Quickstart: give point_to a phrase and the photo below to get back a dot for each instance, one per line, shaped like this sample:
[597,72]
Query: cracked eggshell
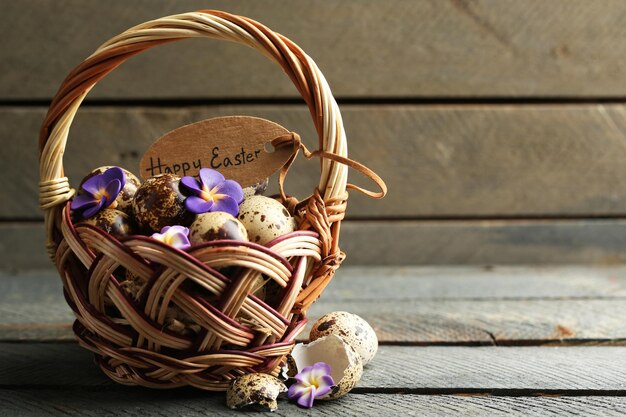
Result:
[255,389]
[345,364]
[216,225]
[265,219]
[125,197]
[351,328]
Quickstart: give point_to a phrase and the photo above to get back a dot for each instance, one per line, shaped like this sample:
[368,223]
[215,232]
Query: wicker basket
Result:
[128,336]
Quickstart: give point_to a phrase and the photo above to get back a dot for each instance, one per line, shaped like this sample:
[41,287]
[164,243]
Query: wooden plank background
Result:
[504,341]
[498,125]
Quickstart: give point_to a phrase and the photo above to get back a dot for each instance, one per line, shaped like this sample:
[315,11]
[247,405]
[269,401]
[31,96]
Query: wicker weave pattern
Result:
[239,332]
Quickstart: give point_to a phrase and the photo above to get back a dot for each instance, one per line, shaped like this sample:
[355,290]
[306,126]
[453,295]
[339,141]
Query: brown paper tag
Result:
[233,145]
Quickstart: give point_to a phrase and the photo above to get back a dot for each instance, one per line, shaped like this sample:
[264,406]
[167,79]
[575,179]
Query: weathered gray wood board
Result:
[47,403]
[363,283]
[395,368]
[526,242]
[51,379]
[453,161]
[470,283]
[500,322]
[400,48]
[485,242]
[418,310]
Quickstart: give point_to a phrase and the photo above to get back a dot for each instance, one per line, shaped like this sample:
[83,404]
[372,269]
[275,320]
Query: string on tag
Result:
[294,140]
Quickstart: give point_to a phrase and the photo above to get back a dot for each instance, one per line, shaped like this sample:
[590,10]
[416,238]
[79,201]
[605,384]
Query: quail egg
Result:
[255,389]
[352,329]
[125,197]
[159,203]
[216,225]
[265,219]
[345,364]
[112,221]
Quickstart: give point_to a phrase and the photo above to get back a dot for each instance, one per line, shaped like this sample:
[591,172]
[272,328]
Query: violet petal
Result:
[179,240]
[112,190]
[231,188]
[93,210]
[176,229]
[82,201]
[325,385]
[114,173]
[319,369]
[197,205]
[227,204]
[175,236]
[210,178]
[297,390]
[306,400]
[191,184]
[94,184]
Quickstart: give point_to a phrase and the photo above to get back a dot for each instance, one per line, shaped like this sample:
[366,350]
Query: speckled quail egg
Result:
[112,221]
[256,189]
[159,203]
[255,389]
[351,328]
[345,364]
[265,219]
[125,197]
[216,225]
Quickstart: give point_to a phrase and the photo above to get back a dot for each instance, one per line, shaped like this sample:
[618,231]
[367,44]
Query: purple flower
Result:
[312,382]
[212,193]
[100,191]
[176,236]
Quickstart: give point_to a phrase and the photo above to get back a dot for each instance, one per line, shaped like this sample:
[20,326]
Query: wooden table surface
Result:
[454,341]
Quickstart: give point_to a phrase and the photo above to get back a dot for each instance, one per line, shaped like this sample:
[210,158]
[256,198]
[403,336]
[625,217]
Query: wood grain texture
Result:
[395,368]
[438,161]
[366,49]
[395,243]
[485,242]
[417,310]
[357,283]
[487,322]
[135,402]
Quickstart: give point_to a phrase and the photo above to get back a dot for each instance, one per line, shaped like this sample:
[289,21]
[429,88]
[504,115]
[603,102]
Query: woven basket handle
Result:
[54,186]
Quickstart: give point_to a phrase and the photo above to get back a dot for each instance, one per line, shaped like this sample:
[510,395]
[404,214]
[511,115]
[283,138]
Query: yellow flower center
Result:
[101,193]
[210,195]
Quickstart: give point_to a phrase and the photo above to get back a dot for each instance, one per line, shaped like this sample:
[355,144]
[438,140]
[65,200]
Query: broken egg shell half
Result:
[345,364]
[351,328]
[216,225]
[265,219]
[255,389]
